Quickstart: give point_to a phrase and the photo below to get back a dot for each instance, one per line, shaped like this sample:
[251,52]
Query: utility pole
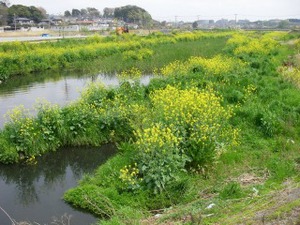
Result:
[176,21]
[235,19]
[63,28]
[15,21]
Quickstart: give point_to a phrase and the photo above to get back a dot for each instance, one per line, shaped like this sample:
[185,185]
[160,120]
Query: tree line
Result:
[129,13]
[9,13]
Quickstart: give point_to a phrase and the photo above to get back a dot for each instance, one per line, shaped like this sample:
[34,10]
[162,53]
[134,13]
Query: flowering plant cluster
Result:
[188,130]
[21,58]
[242,44]
[216,66]
[129,175]
[159,156]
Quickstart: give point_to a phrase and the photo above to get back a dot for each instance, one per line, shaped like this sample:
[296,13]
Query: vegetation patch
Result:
[209,140]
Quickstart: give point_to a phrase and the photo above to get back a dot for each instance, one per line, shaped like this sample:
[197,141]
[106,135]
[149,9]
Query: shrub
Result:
[50,123]
[23,132]
[159,157]
[199,120]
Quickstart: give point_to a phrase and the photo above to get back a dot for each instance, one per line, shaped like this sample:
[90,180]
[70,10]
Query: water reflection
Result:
[33,192]
[57,88]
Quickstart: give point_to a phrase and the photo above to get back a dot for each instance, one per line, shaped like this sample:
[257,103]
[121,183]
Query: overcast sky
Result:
[186,10]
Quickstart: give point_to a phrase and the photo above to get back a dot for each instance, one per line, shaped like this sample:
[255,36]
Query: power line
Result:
[224,16]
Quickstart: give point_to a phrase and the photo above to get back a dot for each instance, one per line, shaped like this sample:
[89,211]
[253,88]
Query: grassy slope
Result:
[163,54]
[93,53]
[245,186]
[256,184]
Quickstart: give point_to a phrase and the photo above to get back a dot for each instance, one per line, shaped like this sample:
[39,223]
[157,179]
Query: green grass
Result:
[163,55]
[100,53]
[231,188]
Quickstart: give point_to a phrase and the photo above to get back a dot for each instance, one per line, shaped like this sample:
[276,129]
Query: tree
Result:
[76,13]
[133,14]
[43,11]
[195,25]
[18,11]
[283,24]
[31,12]
[67,13]
[84,12]
[93,12]
[108,12]
[163,23]
[3,13]
[36,14]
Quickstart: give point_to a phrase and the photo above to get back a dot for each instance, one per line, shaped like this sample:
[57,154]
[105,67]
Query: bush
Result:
[159,156]
[23,133]
[50,123]
[199,120]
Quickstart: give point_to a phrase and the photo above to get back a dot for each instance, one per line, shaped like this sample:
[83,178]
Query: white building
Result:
[66,28]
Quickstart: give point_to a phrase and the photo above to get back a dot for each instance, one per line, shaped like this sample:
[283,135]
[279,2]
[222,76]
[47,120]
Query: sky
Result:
[183,10]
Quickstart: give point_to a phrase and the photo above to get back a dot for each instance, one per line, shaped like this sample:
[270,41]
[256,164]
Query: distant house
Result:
[57,21]
[24,21]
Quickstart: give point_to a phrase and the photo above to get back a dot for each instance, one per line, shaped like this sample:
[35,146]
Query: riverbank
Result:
[234,174]
[209,134]
[19,59]
[29,136]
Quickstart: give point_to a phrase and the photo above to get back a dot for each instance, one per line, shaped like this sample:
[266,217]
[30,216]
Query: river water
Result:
[57,88]
[34,192]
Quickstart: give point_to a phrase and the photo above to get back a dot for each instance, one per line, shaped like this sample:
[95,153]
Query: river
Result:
[57,88]
[34,192]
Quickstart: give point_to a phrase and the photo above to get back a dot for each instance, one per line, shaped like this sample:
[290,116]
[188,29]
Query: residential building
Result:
[23,21]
